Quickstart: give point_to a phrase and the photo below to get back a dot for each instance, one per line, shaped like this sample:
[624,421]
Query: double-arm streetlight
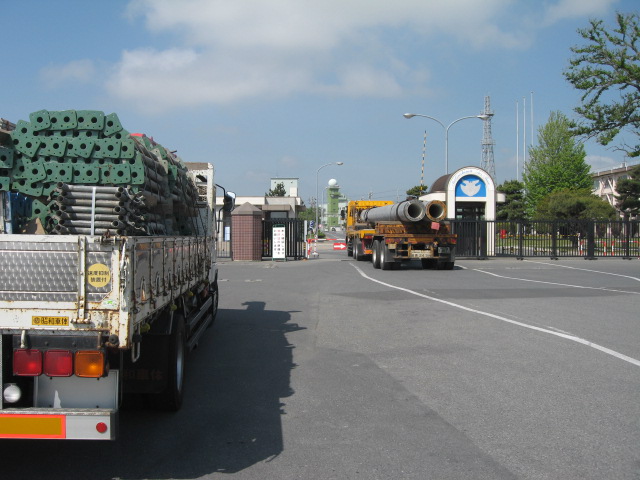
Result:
[484,116]
[318,173]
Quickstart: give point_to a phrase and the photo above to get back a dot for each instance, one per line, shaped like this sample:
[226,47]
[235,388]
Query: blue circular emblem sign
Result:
[471,186]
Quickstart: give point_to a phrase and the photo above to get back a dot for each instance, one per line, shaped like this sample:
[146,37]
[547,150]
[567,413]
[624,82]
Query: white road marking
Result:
[554,283]
[572,338]
[585,270]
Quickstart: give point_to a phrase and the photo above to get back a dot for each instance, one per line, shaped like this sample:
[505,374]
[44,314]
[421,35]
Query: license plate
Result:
[421,254]
[442,250]
[45,321]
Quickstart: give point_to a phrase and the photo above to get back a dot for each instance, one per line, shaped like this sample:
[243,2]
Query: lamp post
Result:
[484,116]
[317,174]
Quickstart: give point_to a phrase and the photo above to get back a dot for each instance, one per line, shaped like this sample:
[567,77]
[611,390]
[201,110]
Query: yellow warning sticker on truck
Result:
[98,275]
[46,321]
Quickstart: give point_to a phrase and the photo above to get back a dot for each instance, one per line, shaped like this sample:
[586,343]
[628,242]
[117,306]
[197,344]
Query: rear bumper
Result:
[59,424]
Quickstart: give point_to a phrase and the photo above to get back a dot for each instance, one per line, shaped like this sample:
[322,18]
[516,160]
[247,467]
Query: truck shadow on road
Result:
[231,417]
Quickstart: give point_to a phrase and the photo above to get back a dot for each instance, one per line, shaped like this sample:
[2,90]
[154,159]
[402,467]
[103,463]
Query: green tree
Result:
[417,191]
[628,197]
[607,69]
[513,207]
[308,214]
[556,163]
[278,191]
[574,204]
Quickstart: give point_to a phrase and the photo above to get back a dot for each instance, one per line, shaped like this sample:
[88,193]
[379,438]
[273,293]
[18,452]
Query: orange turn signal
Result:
[89,363]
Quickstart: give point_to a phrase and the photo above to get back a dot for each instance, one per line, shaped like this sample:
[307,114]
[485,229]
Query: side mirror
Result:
[229,201]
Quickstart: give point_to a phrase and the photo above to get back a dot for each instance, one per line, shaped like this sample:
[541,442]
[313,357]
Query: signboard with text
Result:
[279,242]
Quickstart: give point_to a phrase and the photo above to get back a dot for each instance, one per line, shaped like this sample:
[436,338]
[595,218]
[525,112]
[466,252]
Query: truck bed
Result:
[86,285]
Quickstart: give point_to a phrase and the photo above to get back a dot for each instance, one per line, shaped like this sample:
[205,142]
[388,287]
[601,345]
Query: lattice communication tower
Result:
[487,163]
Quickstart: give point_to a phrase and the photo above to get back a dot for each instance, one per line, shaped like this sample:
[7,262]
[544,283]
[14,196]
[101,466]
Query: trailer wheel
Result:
[375,256]
[357,250]
[170,399]
[386,261]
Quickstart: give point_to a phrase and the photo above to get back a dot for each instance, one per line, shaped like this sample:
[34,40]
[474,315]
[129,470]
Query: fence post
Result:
[627,238]
[591,241]
[554,241]
[520,240]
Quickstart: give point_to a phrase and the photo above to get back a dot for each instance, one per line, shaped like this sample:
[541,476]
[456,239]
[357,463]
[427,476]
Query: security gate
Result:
[294,237]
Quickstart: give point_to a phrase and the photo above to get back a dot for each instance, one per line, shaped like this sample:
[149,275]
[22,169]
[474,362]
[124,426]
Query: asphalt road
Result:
[329,369]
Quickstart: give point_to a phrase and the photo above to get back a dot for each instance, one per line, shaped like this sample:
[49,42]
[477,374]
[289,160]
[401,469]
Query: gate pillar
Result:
[246,224]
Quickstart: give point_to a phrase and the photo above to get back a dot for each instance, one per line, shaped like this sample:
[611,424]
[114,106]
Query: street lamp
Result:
[484,116]
[317,174]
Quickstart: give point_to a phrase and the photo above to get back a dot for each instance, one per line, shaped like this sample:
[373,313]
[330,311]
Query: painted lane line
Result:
[554,283]
[585,270]
[566,336]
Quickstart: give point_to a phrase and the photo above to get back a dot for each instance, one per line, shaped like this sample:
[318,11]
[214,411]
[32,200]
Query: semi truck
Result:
[105,285]
[390,233]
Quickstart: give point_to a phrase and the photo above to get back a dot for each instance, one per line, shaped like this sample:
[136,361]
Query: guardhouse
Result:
[470,194]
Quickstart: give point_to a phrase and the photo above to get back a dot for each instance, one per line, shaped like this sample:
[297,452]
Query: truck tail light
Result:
[89,363]
[27,362]
[58,363]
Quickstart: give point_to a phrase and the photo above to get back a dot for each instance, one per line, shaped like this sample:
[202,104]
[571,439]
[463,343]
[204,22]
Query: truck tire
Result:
[349,248]
[170,399]
[375,256]
[357,250]
[386,261]
[214,304]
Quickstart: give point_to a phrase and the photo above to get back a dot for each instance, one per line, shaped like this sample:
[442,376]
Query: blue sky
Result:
[279,88]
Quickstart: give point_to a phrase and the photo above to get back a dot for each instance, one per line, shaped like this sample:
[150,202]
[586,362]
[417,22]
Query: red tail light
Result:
[27,362]
[58,363]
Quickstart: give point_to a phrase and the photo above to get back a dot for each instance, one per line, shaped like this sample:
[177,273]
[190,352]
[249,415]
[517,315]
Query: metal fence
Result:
[295,245]
[223,227]
[547,238]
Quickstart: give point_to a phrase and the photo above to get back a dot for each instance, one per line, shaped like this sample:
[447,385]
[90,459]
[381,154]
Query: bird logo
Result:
[470,187]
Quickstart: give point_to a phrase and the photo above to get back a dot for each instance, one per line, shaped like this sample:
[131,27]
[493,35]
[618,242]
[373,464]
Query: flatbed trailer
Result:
[416,232]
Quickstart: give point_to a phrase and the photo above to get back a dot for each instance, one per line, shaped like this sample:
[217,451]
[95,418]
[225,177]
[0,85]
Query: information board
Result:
[279,242]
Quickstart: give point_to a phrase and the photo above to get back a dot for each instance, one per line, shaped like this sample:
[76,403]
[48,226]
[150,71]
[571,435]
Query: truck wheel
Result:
[214,303]
[386,262]
[357,250]
[375,256]
[448,265]
[170,399]
[349,248]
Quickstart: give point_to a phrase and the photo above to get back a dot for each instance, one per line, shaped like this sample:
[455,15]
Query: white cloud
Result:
[565,9]
[81,71]
[598,162]
[233,50]
[289,162]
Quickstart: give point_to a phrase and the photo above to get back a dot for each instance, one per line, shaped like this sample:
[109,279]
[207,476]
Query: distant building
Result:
[605,182]
[290,185]
[272,207]
[336,201]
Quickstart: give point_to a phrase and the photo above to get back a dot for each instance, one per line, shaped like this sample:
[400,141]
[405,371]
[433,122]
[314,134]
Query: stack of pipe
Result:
[83,170]
[407,211]
[88,210]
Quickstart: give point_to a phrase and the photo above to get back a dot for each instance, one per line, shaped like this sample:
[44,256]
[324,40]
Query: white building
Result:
[606,181]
